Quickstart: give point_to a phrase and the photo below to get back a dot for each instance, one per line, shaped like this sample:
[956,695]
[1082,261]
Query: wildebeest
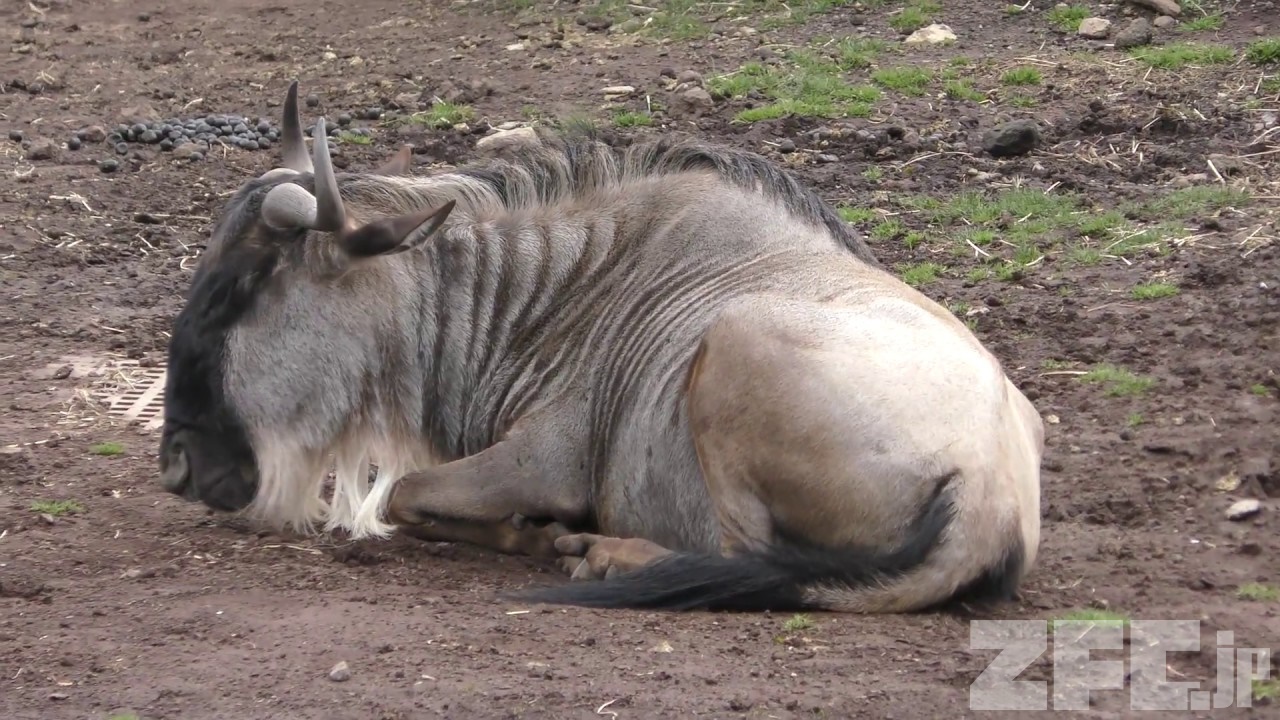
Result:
[670,365]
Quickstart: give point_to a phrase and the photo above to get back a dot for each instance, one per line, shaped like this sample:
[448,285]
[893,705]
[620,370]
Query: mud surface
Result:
[133,604]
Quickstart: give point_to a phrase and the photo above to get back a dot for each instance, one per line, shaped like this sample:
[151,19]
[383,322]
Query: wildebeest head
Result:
[275,326]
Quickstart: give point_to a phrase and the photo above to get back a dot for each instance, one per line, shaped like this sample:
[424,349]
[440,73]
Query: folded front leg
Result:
[504,536]
[536,472]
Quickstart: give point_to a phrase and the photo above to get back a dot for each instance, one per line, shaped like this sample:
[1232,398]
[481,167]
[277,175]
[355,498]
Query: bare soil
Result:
[132,603]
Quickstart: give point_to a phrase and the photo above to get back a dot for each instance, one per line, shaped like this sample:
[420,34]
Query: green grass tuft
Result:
[1153,291]
[1258,592]
[1090,616]
[1202,23]
[628,118]
[1264,52]
[812,86]
[1068,19]
[914,16]
[857,214]
[107,449]
[1021,76]
[57,508]
[444,115]
[1176,56]
[906,80]
[919,274]
[960,90]
[1118,381]
[798,622]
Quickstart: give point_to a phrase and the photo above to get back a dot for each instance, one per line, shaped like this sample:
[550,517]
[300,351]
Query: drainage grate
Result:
[143,400]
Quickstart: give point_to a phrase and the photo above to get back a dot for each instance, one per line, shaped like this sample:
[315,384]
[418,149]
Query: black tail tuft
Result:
[771,579]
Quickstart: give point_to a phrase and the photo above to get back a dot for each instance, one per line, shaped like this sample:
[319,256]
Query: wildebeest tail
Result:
[779,577]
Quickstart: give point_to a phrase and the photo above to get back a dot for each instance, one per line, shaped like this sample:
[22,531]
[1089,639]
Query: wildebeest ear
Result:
[397,164]
[395,235]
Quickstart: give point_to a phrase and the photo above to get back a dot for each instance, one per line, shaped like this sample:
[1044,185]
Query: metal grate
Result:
[142,401]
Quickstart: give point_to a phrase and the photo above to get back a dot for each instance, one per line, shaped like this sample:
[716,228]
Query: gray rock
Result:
[1017,137]
[340,672]
[92,134]
[693,77]
[42,149]
[1094,28]
[692,102]
[1244,509]
[1164,7]
[504,139]
[1138,33]
[1164,21]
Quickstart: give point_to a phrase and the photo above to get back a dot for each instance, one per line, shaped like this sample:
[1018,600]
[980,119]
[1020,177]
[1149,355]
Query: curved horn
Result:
[289,206]
[331,216]
[293,147]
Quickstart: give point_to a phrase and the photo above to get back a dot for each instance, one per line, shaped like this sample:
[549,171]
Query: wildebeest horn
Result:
[294,150]
[291,206]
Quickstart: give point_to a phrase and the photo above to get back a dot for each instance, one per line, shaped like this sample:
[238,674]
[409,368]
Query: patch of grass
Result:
[1023,101]
[1258,592]
[1202,23]
[856,214]
[797,623]
[1260,390]
[1153,291]
[1068,19]
[1134,420]
[1118,381]
[627,118]
[1090,616]
[677,20]
[919,274]
[1263,52]
[1194,201]
[1176,56]
[57,508]
[914,16]
[906,80]
[1266,689]
[107,449]
[858,53]
[960,90]
[873,173]
[444,115]
[1021,76]
[1271,85]
[811,87]
[888,229]
[354,138]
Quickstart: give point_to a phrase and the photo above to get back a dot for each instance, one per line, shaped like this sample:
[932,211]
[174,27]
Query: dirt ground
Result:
[1162,285]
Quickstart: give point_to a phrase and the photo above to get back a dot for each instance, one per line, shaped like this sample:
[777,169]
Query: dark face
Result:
[205,453]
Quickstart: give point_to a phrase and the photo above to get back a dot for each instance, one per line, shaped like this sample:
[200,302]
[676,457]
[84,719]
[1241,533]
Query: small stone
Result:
[787,146]
[934,34]
[827,158]
[42,149]
[92,134]
[1259,29]
[1164,21]
[340,672]
[16,135]
[58,696]
[504,139]
[693,101]
[1138,33]
[692,77]
[313,100]
[73,143]
[1164,7]
[618,90]
[1018,137]
[1244,509]
[109,165]
[1094,28]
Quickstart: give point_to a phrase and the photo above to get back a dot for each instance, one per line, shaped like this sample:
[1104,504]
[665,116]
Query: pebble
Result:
[15,135]
[73,143]
[92,134]
[41,149]
[1136,34]
[1164,21]
[109,165]
[1094,28]
[58,696]
[1244,509]
[618,90]
[507,138]
[827,158]
[340,672]
[931,34]
[787,146]
[1018,137]
[693,101]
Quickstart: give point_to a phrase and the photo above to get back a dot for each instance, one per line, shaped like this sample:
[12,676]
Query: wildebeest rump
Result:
[670,365]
